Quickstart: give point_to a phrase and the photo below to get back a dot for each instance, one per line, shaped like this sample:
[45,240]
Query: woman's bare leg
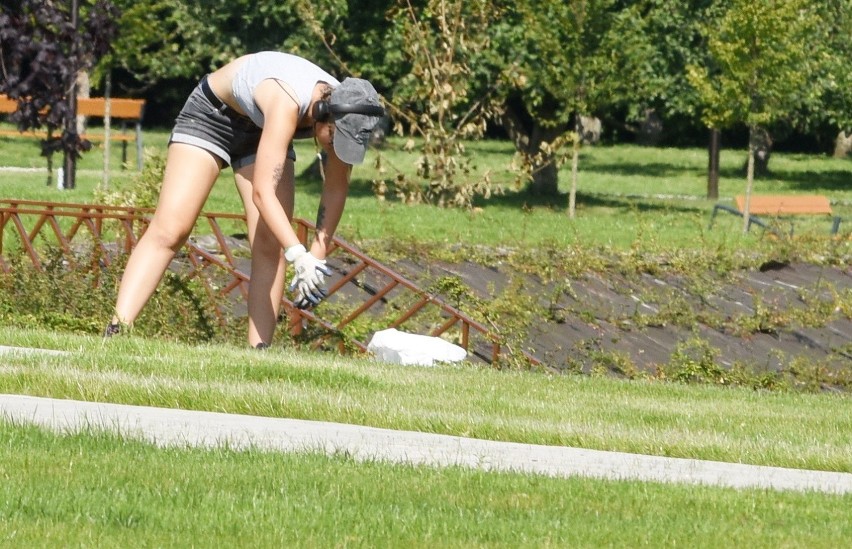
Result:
[190,174]
[267,257]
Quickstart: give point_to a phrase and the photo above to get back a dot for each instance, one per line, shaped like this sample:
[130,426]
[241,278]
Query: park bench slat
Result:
[122,109]
[785,204]
[779,205]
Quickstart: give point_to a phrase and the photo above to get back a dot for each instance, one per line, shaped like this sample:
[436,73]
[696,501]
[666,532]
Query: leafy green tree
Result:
[576,57]
[673,29]
[834,72]
[547,42]
[173,40]
[353,38]
[759,68]
[167,39]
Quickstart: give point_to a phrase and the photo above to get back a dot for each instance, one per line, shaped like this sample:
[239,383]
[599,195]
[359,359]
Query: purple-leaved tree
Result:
[44,44]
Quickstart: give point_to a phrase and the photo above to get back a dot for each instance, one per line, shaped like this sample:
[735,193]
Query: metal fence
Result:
[363,294]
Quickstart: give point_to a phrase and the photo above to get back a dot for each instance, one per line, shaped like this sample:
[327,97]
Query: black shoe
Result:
[112,329]
[262,346]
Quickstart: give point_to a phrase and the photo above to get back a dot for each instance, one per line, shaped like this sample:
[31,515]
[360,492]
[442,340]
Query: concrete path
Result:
[170,427]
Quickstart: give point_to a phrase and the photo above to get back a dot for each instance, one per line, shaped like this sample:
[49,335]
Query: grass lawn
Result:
[628,197]
[91,488]
[705,422]
[95,489]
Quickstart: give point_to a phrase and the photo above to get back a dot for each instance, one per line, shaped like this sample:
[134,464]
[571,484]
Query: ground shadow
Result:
[832,180]
[654,169]
[559,203]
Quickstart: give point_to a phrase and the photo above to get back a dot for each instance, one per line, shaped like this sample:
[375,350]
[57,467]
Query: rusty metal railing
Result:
[380,295]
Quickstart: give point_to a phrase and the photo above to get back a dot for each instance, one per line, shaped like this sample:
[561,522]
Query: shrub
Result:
[81,300]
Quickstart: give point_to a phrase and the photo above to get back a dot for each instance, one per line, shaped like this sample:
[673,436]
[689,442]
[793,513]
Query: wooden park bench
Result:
[124,110]
[779,206]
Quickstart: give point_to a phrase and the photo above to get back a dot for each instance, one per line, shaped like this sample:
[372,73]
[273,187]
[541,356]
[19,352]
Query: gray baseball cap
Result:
[352,130]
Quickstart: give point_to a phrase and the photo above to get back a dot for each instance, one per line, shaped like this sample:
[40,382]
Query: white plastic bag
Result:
[397,347]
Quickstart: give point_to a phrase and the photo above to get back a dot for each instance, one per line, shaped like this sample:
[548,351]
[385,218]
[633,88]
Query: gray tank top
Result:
[300,74]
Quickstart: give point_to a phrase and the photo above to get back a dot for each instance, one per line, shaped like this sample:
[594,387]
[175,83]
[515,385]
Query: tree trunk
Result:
[314,171]
[713,165]
[107,128]
[528,137]
[761,146]
[572,195]
[752,145]
[49,161]
[84,89]
[590,129]
[70,181]
[545,179]
[544,171]
[575,162]
[651,129]
[842,145]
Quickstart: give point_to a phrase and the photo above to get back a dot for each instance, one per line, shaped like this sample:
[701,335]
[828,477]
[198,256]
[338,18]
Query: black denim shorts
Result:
[230,136]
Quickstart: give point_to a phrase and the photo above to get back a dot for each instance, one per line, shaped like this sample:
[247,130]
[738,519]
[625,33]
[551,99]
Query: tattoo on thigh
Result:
[320,217]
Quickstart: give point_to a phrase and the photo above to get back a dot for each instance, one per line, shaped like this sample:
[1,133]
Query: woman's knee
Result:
[166,235]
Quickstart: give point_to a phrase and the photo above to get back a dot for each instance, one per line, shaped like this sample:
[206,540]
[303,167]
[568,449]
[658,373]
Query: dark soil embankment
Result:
[770,318]
[686,318]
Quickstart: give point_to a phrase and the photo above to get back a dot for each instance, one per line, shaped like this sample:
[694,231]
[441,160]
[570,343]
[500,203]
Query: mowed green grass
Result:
[90,488]
[95,489]
[628,196]
[796,430]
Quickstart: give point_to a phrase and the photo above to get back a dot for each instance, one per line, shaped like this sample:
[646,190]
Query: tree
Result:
[834,73]
[43,46]
[168,39]
[759,68]
[673,30]
[440,42]
[426,57]
[576,57]
[547,42]
[350,37]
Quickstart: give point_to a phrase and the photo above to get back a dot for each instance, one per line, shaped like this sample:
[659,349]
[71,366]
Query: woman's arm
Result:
[281,117]
[333,200]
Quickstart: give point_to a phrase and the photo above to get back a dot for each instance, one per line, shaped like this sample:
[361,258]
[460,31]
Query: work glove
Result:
[309,278]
